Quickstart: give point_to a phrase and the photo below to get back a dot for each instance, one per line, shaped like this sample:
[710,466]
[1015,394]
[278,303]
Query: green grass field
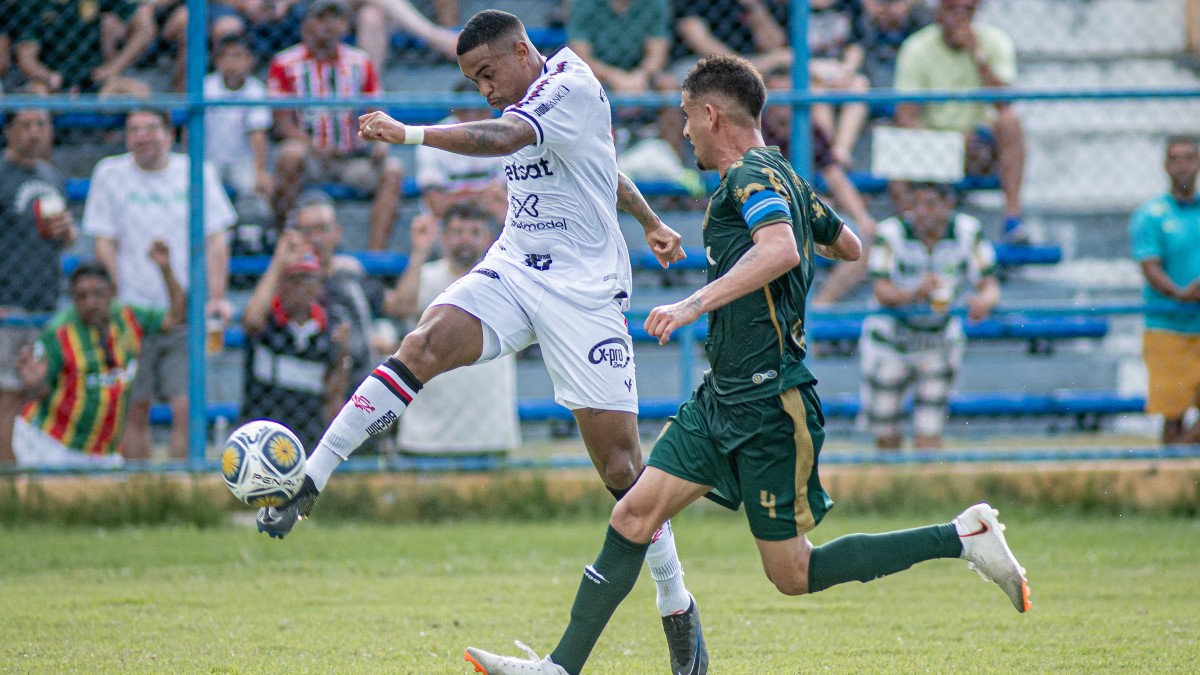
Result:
[1110,593]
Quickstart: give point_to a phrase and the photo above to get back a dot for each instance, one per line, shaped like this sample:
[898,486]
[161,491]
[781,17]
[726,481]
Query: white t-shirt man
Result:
[135,207]
[562,190]
[227,130]
[465,410]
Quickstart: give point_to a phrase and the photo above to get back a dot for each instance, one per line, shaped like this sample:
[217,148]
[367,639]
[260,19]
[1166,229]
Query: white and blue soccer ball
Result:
[263,463]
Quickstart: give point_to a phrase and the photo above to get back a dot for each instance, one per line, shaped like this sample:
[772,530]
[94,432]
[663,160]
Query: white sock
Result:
[667,572]
[376,405]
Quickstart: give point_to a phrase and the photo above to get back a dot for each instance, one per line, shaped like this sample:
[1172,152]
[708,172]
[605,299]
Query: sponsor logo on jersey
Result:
[759,378]
[362,403]
[530,171]
[614,351]
[382,423]
[538,225]
[539,261]
[491,274]
[529,205]
[548,105]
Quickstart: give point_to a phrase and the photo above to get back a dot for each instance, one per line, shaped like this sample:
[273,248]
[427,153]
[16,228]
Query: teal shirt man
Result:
[1169,230]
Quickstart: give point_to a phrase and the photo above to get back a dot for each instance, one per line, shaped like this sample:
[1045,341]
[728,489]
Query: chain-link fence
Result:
[291,334]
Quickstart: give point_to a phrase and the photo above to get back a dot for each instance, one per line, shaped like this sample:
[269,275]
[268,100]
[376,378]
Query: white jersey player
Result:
[559,275]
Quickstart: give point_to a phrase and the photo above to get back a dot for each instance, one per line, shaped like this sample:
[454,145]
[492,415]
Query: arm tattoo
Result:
[631,201]
[485,138]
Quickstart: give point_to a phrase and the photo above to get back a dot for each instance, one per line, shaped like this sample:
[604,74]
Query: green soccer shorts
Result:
[760,453]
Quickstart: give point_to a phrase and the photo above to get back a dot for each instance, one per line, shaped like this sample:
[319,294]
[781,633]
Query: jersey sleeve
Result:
[218,210]
[558,107]
[982,260]
[151,320]
[1144,228]
[99,210]
[881,259]
[826,223]
[278,82]
[760,195]
[48,349]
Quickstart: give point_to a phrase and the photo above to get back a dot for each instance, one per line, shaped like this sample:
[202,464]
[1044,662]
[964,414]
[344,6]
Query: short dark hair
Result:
[730,76]
[162,115]
[91,268]
[487,27]
[465,210]
[944,190]
[1183,139]
[235,39]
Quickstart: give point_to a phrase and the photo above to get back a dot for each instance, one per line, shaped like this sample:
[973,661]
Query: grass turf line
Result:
[1109,593]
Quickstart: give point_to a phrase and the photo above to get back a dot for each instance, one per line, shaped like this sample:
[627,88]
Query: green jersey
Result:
[89,375]
[756,343]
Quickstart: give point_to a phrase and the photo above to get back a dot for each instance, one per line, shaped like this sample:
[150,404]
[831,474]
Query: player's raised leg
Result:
[651,502]
[447,337]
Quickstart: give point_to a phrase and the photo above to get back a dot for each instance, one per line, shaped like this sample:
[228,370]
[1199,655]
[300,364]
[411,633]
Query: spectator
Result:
[955,54]
[626,44]
[883,26]
[170,25]
[835,64]
[78,376]
[236,138]
[754,29]
[319,144]
[376,19]
[487,390]
[777,130]
[1166,243]
[349,295]
[922,265]
[296,363]
[71,47]
[270,25]
[446,179]
[34,228]
[134,199]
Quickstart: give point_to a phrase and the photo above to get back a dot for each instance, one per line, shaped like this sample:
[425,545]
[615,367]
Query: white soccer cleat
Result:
[494,664]
[988,555]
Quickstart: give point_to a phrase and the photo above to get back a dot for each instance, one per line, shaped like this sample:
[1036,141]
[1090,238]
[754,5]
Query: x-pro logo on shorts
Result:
[528,206]
[362,403]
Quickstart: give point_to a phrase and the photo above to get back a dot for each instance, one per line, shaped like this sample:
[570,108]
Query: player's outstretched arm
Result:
[666,243]
[485,138]
[774,253]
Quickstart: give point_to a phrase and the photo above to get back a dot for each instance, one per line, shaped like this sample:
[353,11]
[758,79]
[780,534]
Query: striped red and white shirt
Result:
[296,72]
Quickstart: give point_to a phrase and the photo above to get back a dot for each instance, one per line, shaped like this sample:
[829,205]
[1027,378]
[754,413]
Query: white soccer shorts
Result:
[588,351]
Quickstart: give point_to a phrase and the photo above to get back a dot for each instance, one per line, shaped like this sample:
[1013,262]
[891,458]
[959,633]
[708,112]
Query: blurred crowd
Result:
[82,387]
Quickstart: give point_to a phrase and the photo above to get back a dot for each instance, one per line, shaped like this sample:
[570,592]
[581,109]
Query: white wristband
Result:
[414,135]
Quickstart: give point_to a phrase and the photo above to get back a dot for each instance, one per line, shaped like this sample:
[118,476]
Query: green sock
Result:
[865,557]
[605,584]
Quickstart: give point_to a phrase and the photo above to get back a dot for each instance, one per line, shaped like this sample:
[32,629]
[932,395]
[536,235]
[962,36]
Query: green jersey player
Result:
[752,431]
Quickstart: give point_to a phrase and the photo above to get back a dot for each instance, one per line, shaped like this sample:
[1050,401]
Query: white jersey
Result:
[562,190]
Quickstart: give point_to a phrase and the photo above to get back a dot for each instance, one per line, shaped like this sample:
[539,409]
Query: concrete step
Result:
[1089,28]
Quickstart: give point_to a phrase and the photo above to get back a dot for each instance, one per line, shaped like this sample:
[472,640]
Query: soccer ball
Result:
[263,463]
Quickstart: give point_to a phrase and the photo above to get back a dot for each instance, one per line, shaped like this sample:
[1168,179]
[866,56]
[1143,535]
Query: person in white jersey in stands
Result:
[436,423]
[559,275]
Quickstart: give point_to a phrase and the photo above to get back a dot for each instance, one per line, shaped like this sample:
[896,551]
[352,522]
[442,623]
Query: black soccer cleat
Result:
[685,640]
[277,521]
